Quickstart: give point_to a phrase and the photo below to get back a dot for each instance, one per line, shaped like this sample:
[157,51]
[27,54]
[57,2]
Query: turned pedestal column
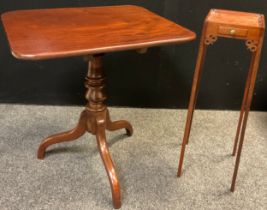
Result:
[94,119]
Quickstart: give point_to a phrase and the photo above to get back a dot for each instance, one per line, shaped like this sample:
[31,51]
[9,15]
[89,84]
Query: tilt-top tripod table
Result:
[91,32]
[249,27]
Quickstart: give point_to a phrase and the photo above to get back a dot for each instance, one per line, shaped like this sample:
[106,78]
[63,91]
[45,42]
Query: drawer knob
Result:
[232,31]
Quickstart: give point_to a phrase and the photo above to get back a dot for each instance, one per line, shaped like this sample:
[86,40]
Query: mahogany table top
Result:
[52,33]
[228,17]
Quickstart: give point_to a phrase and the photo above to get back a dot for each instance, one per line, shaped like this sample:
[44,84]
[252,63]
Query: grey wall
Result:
[160,78]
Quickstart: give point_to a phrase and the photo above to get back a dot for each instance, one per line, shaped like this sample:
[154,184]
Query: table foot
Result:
[108,163]
[71,135]
[120,124]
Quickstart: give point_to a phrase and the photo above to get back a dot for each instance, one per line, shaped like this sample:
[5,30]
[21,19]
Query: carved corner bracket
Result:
[210,39]
[252,45]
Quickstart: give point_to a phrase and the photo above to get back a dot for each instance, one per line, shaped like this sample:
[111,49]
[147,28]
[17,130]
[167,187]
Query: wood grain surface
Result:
[50,33]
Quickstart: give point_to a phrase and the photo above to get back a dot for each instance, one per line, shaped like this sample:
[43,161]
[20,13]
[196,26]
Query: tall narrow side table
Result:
[236,25]
[91,32]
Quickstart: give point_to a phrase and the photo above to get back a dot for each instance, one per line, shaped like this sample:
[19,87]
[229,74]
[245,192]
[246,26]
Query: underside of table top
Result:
[52,33]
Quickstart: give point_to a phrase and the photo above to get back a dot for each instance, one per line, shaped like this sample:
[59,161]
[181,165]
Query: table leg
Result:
[94,119]
[108,163]
[71,135]
[192,102]
[119,124]
[243,106]
[254,69]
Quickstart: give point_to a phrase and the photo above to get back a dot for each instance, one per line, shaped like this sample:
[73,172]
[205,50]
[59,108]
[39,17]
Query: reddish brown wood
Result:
[193,98]
[243,107]
[108,163]
[119,124]
[255,64]
[50,33]
[237,25]
[94,119]
[223,21]
[71,135]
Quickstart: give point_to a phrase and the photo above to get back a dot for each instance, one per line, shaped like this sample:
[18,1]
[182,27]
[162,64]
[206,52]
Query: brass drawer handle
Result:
[232,31]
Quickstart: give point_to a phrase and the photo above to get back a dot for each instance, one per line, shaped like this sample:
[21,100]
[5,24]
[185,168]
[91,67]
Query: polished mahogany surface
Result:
[241,19]
[50,33]
[248,27]
[235,24]
[53,33]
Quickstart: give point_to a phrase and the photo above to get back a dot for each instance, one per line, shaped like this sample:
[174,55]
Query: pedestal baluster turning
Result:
[95,119]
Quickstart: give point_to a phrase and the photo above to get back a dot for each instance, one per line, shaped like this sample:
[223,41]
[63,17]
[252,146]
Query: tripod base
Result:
[95,123]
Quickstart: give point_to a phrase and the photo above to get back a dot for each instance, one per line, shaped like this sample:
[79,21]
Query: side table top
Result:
[228,17]
[52,33]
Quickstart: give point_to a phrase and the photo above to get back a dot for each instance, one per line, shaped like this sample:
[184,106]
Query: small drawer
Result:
[231,31]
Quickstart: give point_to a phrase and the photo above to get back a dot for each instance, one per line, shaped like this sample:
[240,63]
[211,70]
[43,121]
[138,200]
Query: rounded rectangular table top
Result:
[53,33]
